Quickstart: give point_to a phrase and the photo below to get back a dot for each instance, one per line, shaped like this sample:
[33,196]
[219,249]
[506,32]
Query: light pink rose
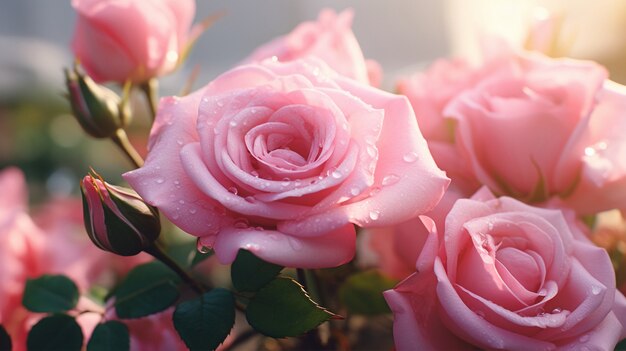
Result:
[540,127]
[505,275]
[431,90]
[330,39]
[282,158]
[131,39]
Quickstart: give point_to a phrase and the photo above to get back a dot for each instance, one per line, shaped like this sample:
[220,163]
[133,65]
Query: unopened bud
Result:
[116,218]
[96,107]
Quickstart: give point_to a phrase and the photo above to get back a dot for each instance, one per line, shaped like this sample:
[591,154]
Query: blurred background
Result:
[38,134]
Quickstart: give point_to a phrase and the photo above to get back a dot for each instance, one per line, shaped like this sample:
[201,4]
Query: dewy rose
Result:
[116,218]
[330,39]
[132,39]
[535,127]
[282,159]
[504,275]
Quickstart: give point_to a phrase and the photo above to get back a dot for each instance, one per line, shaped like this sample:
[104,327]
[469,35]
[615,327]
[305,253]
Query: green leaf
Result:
[50,294]
[203,323]
[362,293]
[110,336]
[621,346]
[5,340]
[147,289]
[56,332]
[282,308]
[250,273]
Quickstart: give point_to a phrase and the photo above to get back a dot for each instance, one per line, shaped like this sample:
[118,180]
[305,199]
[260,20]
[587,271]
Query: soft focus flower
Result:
[27,251]
[330,39]
[132,39]
[505,275]
[537,127]
[116,218]
[282,158]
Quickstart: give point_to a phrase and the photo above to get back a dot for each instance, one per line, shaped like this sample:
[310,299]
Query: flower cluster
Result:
[471,189]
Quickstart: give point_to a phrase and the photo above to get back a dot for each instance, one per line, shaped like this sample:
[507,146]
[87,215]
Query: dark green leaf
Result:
[250,273]
[5,340]
[282,308]
[50,294]
[621,346]
[147,289]
[109,336]
[56,332]
[362,293]
[203,323]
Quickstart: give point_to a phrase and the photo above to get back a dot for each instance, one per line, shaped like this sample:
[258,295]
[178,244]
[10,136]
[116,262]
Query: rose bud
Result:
[116,218]
[96,107]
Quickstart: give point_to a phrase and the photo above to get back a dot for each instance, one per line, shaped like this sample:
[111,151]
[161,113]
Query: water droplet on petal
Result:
[233,190]
[250,199]
[182,202]
[557,310]
[193,210]
[202,246]
[595,289]
[254,174]
[372,151]
[355,191]
[390,179]
[336,174]
[584,338]
[410,157]
[374,215]
[179,142]
[220,103]
[159,181]
[233,123]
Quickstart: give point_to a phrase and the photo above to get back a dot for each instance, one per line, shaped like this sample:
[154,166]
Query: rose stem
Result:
[151,89]
[121,140]
[163,257]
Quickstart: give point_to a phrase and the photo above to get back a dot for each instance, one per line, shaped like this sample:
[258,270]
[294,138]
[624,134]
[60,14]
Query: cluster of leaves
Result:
[274,304]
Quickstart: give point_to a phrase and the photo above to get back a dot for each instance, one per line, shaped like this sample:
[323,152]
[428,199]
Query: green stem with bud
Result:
[157,253]
[121,140]
[151,89]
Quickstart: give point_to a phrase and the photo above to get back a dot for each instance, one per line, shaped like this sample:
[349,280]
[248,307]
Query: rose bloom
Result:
[536,127]
[131,39]
[505,275]
[330,39]
[282,159]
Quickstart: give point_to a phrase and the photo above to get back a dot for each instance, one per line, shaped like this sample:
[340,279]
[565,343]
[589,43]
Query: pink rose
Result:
[430,91]
[505,275]
[131,39]
[540,127]
[330,39]
[282,158]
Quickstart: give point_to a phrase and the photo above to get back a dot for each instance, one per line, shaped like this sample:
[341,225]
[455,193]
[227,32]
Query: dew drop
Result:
[250,199]
[182,202]
[202,248]
[595,289]
[374,215]
[233,123]
[355,191]
[336,174]
[233,190]
[285,183]
[584,338]
[390,179]
[557,310]
[179,142]
[159,181]
[410,157]
[193,210]
[220,103]
[255,174]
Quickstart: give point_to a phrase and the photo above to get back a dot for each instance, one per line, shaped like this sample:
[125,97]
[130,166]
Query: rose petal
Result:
[330,250]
